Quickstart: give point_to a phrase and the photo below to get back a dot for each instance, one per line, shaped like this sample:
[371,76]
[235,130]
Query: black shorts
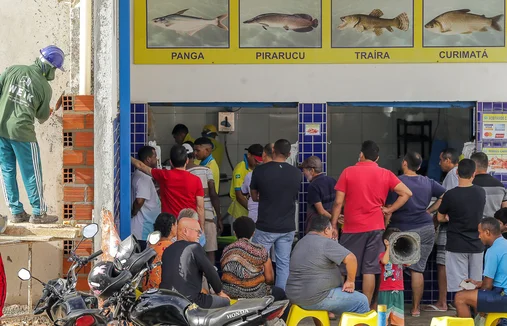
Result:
[491,301]
[367,247]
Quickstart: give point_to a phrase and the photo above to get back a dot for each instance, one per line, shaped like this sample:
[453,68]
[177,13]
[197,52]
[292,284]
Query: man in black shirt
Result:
[501,216]
[463,207]
[183,265]
[321,194]
[275,185]
[496,194]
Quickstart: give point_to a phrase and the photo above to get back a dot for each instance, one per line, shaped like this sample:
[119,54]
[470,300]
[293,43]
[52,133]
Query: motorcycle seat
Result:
[221,316]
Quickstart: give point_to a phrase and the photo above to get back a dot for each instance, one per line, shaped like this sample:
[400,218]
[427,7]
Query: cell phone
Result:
[467,285]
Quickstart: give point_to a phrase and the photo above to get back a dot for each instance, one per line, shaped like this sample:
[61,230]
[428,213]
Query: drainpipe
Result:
[85,46]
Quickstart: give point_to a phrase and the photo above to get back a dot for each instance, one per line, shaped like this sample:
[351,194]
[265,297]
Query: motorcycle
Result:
[60,300]
[163,307]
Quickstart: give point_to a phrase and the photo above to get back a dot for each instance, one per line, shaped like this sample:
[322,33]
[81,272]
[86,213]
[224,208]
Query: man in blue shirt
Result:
[490,294]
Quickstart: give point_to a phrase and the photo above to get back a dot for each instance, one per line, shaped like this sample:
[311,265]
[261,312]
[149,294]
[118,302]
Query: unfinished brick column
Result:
[78,173]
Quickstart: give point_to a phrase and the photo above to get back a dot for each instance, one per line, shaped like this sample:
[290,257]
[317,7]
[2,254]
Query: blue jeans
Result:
[339,302]
[28,157]
[283,246]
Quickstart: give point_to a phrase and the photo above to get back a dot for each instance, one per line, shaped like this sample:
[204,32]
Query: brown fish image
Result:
[462,22]
[373,22]
[301,23]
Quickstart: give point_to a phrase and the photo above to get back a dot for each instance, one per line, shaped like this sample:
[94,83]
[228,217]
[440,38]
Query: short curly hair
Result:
[244,227]
[164,223]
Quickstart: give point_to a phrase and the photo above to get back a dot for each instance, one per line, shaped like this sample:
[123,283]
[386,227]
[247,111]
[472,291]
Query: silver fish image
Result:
[189,25]
[301,23]
[462,22]
[373,22]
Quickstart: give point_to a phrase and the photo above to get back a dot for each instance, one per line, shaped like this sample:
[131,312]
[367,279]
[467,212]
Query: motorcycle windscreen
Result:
[126,248]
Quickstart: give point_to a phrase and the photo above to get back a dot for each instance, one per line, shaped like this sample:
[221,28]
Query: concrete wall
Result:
[35,24]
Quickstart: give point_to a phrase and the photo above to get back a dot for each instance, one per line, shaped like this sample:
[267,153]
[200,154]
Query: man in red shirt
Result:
[364,188]
[179,188]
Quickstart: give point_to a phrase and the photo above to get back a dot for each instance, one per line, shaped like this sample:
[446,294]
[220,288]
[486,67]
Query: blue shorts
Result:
[491,301]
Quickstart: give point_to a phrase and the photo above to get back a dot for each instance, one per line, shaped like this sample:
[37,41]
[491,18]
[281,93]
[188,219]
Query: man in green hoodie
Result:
[24,96]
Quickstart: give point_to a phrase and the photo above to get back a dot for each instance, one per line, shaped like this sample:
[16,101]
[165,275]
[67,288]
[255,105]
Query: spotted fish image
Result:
[189,25]
[374,22]
[301,23]
[462,22]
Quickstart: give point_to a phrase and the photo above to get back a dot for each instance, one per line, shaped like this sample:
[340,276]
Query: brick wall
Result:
[77,173]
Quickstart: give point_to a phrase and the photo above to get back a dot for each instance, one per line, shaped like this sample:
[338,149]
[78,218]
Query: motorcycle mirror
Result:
[24,274]
[90,230]
[154,237]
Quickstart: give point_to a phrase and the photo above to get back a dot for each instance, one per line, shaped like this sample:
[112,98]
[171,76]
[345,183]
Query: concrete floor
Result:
[424,320]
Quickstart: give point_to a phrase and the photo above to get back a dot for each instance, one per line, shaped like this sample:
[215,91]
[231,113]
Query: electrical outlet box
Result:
[226,121]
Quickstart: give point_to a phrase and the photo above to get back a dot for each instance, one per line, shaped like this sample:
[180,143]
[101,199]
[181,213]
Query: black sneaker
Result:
[22,217]
[43,219]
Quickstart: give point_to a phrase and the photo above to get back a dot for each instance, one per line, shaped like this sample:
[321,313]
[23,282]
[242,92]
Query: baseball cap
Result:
[312,162]
[209,129]
[256,150]
[188,148]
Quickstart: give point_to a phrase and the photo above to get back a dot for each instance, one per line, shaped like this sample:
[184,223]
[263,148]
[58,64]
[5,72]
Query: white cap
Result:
[188,148]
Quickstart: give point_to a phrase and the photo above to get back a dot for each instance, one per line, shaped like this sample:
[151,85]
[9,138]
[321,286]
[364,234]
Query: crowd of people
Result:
[347,234]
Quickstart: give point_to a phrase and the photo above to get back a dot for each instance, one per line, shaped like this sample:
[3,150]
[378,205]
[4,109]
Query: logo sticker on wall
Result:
[312,129]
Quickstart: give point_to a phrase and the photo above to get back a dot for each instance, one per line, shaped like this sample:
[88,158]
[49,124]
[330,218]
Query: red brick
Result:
[89,121]
[89,195]
[89,158]
[83,139]
[83,103]
[83,176]
[73,121]
[71,157]
[83,211]
[74,194]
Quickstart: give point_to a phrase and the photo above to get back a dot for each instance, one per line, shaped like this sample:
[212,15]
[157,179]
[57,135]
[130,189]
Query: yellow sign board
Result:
[318,31]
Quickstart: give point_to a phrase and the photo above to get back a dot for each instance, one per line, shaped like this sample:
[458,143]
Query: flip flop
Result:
[451,307]
[415,314]
[432,307]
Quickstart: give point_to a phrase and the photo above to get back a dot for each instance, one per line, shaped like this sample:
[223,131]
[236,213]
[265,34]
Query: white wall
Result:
[31,26]
[253,125]
[348,127]
[319,83]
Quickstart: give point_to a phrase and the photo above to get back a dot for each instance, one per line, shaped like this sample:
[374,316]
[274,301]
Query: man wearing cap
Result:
[212,216]
[239,205]
[210,131]
[25,94]
[321,193]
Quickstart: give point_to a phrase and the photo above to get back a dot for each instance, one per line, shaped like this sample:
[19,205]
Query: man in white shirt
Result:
[449,160]
[146,204]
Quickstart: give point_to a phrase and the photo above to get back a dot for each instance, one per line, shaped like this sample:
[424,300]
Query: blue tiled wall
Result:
[491,108]
[138,127]
[313,113]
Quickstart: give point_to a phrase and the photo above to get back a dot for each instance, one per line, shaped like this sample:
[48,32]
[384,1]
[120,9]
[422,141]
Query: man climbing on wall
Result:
[25,94]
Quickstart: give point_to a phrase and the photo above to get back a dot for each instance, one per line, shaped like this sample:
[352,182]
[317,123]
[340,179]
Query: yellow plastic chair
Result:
[138,293]
[296,314]
[451,321]
[350,319]
[233,301]
[492,318]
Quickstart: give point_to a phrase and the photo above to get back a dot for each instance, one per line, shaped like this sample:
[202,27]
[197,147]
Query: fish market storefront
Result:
[324,74]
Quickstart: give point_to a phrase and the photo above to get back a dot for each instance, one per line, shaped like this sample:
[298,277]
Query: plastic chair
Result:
[227,240]
[296,314]
[233,301]
[492,318]
[451,321]
[350,319]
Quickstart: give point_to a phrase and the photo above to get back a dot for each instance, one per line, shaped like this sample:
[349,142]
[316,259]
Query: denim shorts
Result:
[494,300]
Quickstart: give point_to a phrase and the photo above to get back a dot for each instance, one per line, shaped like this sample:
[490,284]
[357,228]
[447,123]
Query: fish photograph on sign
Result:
[187,24]
[464,23]
[372,24]
[280,24]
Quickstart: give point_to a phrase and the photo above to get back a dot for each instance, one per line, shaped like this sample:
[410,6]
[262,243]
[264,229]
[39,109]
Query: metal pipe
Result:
[30,303]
